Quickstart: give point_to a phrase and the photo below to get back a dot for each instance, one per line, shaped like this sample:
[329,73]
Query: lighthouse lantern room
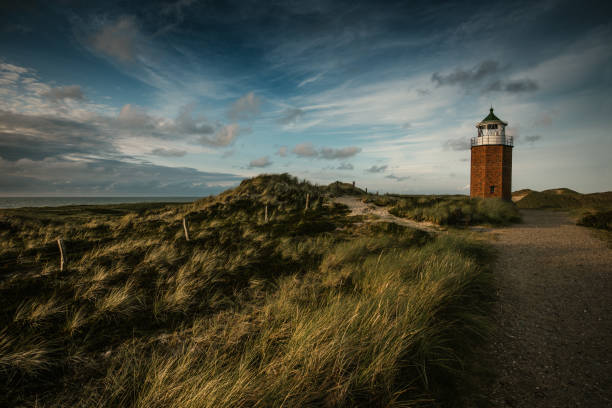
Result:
[491,163]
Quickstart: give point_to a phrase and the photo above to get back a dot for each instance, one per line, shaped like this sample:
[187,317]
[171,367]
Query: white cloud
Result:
[282,151]
[343,153]
[305,150]
[261,162]
[223,137]
[13,68]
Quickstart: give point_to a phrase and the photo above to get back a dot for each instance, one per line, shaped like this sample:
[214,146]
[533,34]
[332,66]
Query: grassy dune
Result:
[312,308]
[562,199]
[590,210]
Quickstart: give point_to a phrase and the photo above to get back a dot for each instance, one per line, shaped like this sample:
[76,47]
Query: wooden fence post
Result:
[185,228]
[266,214]
[307,201]
[63,254]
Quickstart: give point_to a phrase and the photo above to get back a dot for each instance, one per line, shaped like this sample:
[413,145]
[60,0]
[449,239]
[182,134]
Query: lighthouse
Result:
[491,164]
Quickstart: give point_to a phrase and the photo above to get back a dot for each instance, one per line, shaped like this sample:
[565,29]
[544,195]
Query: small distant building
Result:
[491,164]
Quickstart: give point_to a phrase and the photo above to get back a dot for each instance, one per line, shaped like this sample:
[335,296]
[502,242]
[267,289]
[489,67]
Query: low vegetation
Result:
[449,210]
[304,308]
[596,219]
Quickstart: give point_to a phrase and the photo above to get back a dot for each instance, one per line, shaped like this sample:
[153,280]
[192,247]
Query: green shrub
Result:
[456,210]
[598,219]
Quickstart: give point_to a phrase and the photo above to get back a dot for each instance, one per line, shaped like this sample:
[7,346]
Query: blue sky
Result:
[189,97]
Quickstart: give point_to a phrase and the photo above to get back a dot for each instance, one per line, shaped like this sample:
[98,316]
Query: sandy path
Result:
[553,345]
[381,214]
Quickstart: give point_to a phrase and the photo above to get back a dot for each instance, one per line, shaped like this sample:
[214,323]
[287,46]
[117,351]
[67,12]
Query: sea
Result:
[17,202]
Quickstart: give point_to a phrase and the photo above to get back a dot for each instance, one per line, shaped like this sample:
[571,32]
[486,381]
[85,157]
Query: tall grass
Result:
[308,309]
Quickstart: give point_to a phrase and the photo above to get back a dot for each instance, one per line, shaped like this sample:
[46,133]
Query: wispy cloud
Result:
[377,169]
[397,178]
[310,80]
[513,86]
[119,39]
[168,152]
[328,153]
[246,107]
[488,71]
[457,144]
[290,116]
[345,166]
[466,77]
[65,92]
[532,138]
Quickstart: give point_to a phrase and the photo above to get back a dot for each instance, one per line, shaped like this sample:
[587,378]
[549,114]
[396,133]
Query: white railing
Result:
[493,140]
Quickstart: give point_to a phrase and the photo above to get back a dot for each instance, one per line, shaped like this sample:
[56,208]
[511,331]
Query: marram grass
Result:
[310,309]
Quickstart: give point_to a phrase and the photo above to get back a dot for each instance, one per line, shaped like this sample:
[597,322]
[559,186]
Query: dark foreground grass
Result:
[307,309]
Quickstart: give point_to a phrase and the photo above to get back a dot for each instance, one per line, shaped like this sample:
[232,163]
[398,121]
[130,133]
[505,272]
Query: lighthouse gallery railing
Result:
[492,140]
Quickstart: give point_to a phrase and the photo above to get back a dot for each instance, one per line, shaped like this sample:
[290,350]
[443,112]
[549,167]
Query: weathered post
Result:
[353,184]
[62,249]
[366,190]
[307,201]
[266,214]
[186,228]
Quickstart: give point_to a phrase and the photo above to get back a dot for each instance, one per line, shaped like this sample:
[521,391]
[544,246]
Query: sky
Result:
[188,97]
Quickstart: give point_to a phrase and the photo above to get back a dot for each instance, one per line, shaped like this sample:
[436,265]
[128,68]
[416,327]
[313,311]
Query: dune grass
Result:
[448,209]
[311,308]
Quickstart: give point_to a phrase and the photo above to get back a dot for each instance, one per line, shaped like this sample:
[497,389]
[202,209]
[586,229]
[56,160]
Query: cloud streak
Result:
[458,144]
[65,92]
[488,70]
[112,177]
[465,77]
[327,153]
[377,169]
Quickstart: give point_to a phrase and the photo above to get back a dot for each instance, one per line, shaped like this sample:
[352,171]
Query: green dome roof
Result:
[492,118]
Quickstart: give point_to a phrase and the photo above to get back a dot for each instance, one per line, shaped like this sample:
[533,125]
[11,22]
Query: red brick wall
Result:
[491,166]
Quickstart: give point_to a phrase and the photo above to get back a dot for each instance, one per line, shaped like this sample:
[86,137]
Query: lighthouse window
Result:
[492,189]
[491,126]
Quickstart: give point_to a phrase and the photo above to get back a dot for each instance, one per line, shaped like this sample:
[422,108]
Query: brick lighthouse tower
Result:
[491,173]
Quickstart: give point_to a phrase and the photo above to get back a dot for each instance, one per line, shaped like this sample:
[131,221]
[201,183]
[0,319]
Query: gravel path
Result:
[381,214]
[553,345]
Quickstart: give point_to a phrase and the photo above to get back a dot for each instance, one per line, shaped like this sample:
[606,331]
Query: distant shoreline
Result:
[20,202]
